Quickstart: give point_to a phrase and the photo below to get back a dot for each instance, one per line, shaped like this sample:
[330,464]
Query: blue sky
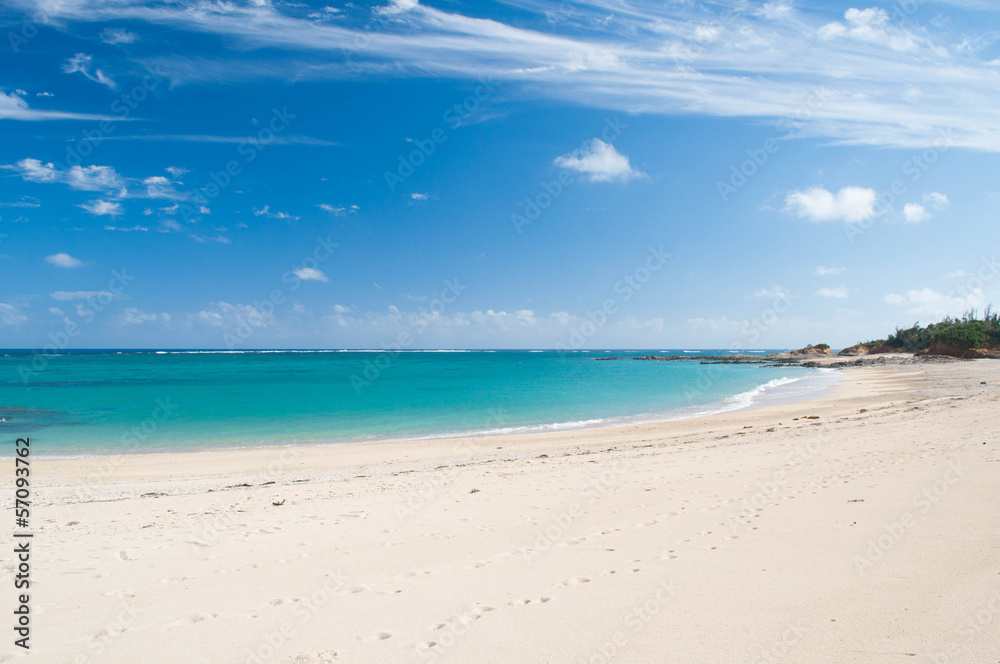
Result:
[518,174]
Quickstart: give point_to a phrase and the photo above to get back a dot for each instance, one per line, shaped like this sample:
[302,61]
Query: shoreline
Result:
[255,462]
[821,526]
[613,422]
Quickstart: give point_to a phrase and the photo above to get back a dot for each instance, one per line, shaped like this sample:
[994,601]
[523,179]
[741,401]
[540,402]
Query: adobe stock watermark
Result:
[914,169]
[560,522]
[771,490]
[406,338]
[424,148]
[966,631]
[101,641]
[922,502]
[778,649]
[210,532]
[758,157]
[248,150]
[261,311]
[625,289]
[273,641]
[132,439]
[417,498]
[550,190]
[632,624]
[122,108]
[751,329]
[28,30]
[93,305]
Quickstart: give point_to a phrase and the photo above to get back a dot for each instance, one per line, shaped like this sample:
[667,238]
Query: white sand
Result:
[742,537]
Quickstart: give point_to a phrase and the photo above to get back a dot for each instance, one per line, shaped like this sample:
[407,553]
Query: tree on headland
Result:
[951,336]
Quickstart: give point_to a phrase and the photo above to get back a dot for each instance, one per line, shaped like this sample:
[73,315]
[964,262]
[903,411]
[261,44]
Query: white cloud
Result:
[133,316]
[850,204]
[66,296]
[839,292]
[338,211]
[823,271]
[706,33]
[64,260]
[341,309]
[310,274]
[94,178]
[936,200]
[774,291]
[599,162]
[56,311]
[177,172]
[419,197]
[101,207]
[230,315]
[124,229]
[11,315]
[81,62]
[118,36]
[44,94]
[34,170]
[957,274]
[82,178]
[914,213]
[219,239]
[873,26]
[929,302]
[266,212]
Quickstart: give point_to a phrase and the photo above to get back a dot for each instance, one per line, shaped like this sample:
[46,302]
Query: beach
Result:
[859,526]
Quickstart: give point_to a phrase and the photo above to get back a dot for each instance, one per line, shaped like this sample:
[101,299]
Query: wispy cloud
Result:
[266,212]
[98,178]
[208,138]
[882,80]
[101,207]
[13,107]
[118,36]
[83,64]
[338,211]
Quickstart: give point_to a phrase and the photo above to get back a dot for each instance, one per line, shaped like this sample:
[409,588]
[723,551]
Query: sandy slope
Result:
[747,537]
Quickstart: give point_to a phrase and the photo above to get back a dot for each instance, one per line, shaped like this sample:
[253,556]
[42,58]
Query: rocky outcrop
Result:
[854,351]
[819,350]
[938,348]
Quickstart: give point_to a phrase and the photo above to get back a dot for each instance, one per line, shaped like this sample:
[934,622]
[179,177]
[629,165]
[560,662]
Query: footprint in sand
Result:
[378,636]
[575,581]
[476,565]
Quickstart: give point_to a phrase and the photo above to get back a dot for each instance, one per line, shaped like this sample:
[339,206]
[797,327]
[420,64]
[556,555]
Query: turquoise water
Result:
[107,402]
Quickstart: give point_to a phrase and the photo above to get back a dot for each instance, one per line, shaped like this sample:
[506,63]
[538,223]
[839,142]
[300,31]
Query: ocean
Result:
[115,402]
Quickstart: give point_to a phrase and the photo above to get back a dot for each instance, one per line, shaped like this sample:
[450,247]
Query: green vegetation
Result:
[822,346]
[965,333]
